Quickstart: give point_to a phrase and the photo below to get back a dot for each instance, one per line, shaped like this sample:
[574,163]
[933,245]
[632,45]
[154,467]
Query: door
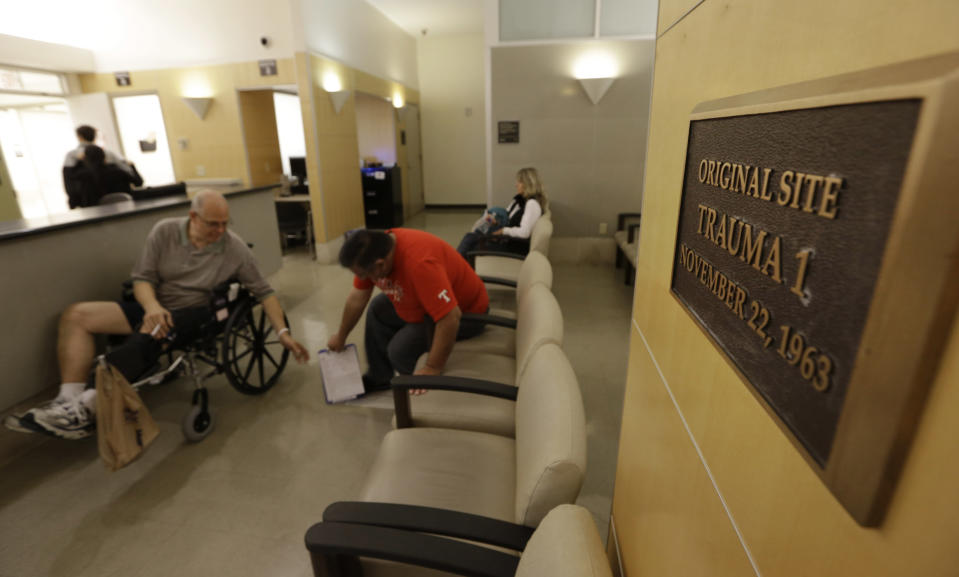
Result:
[414,157]
[143,135]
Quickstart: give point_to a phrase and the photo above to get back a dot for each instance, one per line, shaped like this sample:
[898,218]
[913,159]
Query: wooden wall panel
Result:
[789,521]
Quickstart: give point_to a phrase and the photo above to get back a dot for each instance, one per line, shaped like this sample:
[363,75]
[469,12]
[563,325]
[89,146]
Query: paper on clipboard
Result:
[342,380]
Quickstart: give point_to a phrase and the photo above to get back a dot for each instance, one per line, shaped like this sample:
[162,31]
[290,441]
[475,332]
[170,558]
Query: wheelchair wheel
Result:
[252,355]
[197,424]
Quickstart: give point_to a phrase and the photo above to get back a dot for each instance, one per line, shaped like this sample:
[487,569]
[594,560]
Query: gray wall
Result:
[589,156]
[45,272]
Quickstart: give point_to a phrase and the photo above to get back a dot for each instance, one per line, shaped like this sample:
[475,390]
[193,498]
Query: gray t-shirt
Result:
[184,276]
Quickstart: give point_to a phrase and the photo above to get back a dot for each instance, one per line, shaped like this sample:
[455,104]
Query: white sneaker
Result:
[67,420]
[25,423]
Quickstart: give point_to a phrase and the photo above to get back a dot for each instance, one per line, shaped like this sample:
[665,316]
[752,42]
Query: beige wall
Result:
[332,142]
[376,128]
[583,152]
[9,207]
[452,81]
[707,484]
[216,141]
[260,137]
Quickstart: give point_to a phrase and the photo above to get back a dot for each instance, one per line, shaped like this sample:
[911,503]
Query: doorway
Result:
[410,120]
[143,136]
[35,134]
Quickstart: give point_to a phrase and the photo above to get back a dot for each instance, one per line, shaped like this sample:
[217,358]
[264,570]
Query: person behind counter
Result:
[92,177]
[86,135]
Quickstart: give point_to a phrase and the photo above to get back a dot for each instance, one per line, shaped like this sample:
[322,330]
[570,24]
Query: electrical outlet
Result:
[603,228]
[200,170]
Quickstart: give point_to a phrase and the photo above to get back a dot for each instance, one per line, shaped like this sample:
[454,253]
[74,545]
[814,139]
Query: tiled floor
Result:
[239,502]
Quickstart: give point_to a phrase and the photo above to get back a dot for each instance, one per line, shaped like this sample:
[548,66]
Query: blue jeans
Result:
[394,344]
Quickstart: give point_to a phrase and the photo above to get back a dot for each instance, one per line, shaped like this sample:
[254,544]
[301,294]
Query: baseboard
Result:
[455,207]
[329,252]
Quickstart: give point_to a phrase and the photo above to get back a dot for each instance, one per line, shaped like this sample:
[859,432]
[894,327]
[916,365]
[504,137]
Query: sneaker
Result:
[26,423]
[70,420]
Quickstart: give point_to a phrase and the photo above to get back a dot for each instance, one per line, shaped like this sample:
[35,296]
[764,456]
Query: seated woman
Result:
[527,206]
[92,178]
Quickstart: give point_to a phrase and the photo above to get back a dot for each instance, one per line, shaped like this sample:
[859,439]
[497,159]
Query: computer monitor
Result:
[298,168]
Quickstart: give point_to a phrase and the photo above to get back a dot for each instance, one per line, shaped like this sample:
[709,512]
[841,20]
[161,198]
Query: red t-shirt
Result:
[428,278]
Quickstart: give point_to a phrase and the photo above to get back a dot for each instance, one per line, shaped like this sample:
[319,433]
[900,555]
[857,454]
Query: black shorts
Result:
[187,323]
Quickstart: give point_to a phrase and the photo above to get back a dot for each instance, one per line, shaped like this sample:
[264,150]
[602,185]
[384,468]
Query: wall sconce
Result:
[339,98]
[199,106]
[334,86]
[596,73]
[398,100]
[596,88]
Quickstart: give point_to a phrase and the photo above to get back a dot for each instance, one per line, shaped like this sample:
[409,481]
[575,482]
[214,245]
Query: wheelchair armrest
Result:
[334,546]
[498,280]
[490,320]
[431,520]
[403,383]
[513,255]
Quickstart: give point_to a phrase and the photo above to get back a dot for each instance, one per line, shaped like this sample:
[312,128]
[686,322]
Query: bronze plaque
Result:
[818,247]
[783,224]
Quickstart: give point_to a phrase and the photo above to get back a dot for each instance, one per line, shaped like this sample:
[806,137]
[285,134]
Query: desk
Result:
[290,221]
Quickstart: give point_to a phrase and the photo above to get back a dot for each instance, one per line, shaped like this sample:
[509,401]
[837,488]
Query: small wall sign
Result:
[267,67]
[508,131]
[122,78]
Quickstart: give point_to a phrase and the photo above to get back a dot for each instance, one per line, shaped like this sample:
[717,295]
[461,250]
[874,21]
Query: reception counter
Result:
[85,255]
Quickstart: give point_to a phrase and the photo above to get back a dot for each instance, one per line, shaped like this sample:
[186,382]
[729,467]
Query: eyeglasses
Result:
[214,223]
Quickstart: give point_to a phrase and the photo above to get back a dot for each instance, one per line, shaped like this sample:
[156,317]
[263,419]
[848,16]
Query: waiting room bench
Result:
[627,243]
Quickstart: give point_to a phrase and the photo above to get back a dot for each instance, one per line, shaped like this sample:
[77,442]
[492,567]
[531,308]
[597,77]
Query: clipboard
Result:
[342,379]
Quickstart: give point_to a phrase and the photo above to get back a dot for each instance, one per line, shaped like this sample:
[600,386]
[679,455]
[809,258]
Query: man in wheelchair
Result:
[181,263]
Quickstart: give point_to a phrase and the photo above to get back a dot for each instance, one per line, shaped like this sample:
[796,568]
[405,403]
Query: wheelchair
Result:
[237,340]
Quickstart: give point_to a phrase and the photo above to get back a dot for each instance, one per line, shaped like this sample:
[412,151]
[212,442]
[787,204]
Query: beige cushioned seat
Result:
[502,340]
[540,322]
[517,480]
[458,470]
[509,268]
[566,544]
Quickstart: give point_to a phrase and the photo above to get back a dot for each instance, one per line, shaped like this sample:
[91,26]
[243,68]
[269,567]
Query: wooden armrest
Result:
[621,218]
[498,280]
[504,254]
[431,520]
[334,547]
[490,320]
[403,383]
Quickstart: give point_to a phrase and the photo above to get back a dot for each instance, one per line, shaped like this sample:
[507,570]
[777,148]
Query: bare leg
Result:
[78,325]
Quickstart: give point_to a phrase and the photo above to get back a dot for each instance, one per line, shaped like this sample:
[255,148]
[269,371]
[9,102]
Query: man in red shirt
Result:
[424,281]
